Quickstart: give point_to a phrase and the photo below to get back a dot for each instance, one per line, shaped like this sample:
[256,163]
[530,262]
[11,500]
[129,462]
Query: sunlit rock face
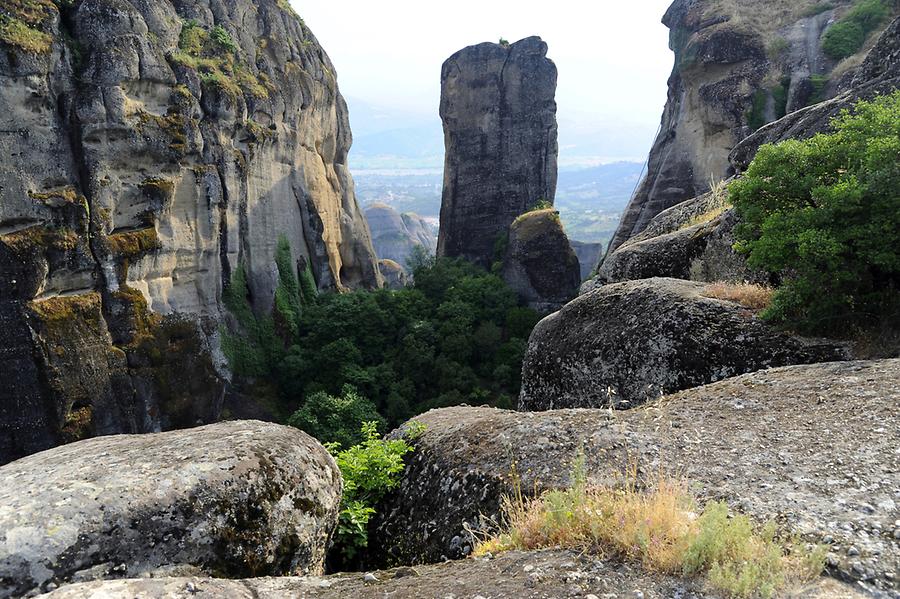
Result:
[738,66]
[156,147]
[499,113]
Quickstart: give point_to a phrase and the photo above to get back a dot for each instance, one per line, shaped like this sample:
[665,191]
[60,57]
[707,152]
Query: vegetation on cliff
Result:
[825,213]
[848,35]
[457,335]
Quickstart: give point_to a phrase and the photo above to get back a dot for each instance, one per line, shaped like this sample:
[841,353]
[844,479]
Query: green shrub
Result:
[332,419]
[223,39]
[848,35]
[369,470]
[825,213]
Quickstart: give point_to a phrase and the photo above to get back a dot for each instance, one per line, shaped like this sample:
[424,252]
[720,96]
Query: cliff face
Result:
[395,235]
[500,133]
[155,147]
[738,66]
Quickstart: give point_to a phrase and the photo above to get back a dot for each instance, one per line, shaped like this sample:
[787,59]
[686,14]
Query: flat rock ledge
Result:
[513,575]
[234,499]
[815,448]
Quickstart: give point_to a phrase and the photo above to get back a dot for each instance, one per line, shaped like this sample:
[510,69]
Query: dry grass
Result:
[663,529]
[749,295]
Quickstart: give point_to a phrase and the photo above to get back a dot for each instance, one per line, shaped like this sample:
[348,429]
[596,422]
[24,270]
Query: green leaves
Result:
[825,214]
[370,470]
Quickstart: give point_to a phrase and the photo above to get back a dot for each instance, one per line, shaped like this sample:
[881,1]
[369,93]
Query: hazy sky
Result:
[613,57]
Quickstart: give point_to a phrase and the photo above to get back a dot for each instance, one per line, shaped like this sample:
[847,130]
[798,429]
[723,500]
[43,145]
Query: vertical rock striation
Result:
[738,66]
[500,133]
[155,147]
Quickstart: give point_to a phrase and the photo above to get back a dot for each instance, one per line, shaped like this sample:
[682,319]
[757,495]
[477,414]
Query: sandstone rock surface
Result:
[540,265]
[500,134]
[692,240]
[514,575]
[395,276]
[395,235]
[235,499]
[627,343]
[879,74]
[738,66]
[811,447]
[158,146]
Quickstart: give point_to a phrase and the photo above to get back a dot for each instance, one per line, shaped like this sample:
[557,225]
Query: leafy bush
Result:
[369,470]
[825,213]
[338,420]
[223,39]
[848,35]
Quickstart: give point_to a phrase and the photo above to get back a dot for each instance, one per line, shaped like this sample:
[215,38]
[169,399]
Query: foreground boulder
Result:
[540,265]
[514,575]
[233,499]
[693,240]
[626,343]
[812,447]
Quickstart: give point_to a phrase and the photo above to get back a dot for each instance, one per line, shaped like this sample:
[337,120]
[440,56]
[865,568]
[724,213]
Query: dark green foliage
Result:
[825,213]
[757,116]
[780,95]
[819,82]
[333,419]
[848,35]
[456,336]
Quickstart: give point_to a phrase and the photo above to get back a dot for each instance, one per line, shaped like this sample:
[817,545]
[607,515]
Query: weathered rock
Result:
[139,186]
[738,65]
[588,256]
[513,575]
[878,75]
[234,499]
[811,447]
[627,343]
[499,114]
[394,275]
[692,240]
[540,265]
[395,235]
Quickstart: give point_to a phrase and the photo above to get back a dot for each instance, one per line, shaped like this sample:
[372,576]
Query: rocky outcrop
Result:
[500,133]
[157,147]
[513,575]
[395,235]
[395,276]
[878,75]
[540,265]
[738,66]
[236,499]
[588,256]
[811,447]
[693,240]
[627,343]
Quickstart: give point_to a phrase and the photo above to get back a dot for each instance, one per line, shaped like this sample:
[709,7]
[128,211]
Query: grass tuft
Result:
[754,297]
[663,529]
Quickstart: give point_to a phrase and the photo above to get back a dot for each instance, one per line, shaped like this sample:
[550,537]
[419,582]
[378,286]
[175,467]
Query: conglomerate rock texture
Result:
[499,112]
[540,265]
[395,235]
[738,66]
[627,343]
[235,499]
[151,149]
[514,575]
[812,448]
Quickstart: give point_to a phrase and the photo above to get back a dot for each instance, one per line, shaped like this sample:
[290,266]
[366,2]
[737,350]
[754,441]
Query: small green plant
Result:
[504,43]
[848,35]
[370,470]
[825,213]
[541,204]
[223,39]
